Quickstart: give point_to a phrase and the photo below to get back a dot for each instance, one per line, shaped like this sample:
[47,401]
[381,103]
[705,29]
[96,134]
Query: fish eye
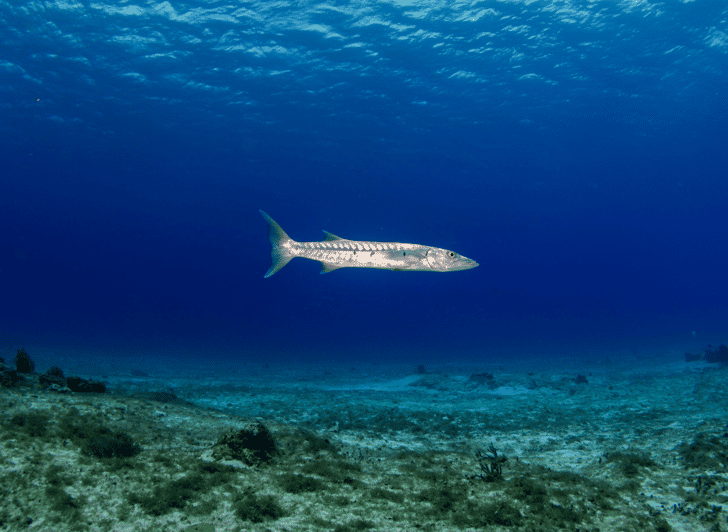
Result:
[451,253]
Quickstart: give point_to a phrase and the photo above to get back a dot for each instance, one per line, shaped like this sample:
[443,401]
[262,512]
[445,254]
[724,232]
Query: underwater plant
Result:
[167,497]
[95,439]
[707,451]
[63,503]
[491,464]
[337,471]
[443,499]
[33,423]
[500,513]
[630,463]
[294,483]
[108,444]
[187,492]
[257,508]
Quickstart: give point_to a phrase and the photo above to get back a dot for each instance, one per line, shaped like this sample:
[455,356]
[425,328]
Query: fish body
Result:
[335,252]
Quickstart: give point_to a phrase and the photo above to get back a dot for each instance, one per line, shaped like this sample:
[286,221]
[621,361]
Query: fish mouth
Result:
[467,264]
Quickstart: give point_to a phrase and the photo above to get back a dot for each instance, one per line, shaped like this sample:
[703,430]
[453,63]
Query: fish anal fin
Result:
[328,267]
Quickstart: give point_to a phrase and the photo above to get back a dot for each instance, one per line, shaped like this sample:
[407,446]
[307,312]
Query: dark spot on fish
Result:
[404,253]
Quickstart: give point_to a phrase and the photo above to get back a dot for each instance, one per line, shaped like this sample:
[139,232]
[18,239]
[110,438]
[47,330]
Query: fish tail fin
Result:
[280,252]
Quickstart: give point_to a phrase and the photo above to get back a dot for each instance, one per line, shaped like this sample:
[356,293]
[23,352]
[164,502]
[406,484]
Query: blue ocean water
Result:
[576,149]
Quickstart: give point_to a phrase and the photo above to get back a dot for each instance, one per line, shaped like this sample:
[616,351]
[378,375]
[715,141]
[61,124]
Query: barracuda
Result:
[335,252]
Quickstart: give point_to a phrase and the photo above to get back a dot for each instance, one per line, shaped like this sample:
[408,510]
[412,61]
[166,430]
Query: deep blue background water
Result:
[575,149]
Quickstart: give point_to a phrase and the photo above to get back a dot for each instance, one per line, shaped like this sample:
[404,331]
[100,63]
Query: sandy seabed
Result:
[615,446]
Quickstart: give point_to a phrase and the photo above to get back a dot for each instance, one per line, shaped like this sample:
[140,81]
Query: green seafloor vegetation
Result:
[96,460]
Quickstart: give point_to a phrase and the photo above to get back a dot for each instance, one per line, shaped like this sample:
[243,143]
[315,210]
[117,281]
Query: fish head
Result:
[444,260]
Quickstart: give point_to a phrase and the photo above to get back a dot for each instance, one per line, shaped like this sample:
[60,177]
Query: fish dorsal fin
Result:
[326,268]
[331,236]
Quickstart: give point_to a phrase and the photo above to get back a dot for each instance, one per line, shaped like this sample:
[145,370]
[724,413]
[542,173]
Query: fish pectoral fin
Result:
[331,236]
[327,267]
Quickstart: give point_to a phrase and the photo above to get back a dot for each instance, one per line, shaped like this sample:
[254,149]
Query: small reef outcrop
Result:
[23,374]
[252,445]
